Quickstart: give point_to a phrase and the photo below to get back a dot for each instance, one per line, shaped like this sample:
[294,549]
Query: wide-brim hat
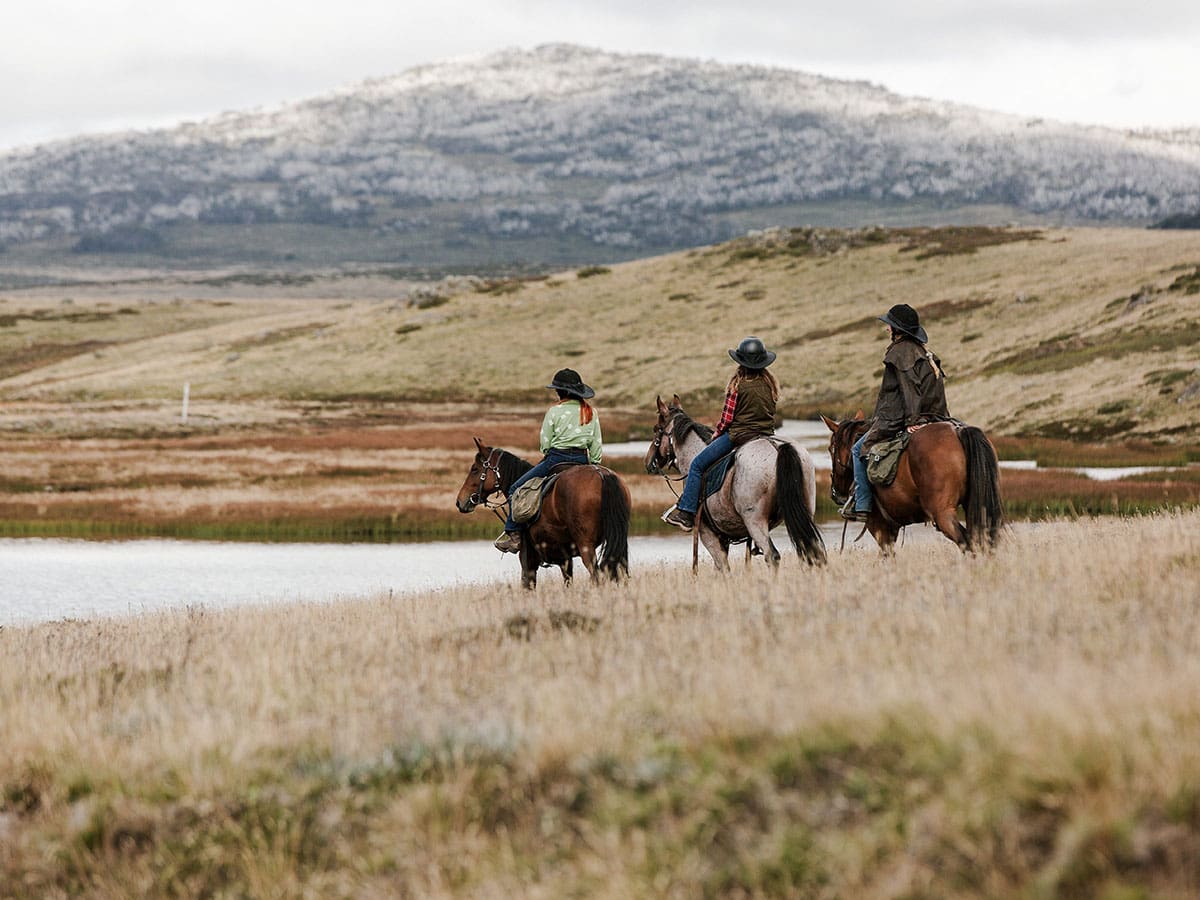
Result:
[904,318]
[569,382]
[752,354]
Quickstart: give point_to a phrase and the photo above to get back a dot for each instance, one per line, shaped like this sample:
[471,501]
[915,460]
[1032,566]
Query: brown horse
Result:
[944,466]
[585,514]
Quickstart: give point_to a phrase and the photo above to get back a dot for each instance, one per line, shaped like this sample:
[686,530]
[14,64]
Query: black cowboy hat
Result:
[569,382]
[903,317]
[752,354]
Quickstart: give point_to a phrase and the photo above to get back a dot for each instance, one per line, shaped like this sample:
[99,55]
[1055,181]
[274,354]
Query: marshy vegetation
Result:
[937,725]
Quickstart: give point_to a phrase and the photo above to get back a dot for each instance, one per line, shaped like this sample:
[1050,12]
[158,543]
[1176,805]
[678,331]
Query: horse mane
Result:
[685,425]
[511,467]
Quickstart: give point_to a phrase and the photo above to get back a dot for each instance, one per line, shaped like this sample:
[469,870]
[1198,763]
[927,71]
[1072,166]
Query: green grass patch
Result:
[835,810]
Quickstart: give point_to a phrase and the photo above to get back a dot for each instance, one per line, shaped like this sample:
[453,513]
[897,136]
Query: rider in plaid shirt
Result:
[749,413]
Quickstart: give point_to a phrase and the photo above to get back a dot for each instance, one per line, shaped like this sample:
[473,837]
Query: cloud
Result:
[80,65]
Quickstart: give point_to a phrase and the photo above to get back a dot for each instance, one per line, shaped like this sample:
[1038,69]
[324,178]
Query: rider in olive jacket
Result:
[913,393]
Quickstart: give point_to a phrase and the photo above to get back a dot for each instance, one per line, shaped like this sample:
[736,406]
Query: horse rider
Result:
[913,393]
[570,434]
[749,413]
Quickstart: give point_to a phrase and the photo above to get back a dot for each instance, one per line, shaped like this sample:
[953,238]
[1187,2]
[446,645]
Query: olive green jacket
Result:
[754,415]
[913,391]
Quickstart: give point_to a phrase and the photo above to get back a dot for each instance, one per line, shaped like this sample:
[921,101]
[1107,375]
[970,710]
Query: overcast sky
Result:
[75,66]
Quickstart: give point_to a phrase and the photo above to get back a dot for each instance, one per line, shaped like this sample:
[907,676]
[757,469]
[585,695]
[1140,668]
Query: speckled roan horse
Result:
[946,465]
[772,481]
[585,514]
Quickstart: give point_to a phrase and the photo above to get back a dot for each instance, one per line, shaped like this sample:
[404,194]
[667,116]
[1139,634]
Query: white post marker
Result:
[187,387]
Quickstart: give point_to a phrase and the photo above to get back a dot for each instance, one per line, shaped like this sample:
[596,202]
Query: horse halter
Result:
[661,459]
[478,496]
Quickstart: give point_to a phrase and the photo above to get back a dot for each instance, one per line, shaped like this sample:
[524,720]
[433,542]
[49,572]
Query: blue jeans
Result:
[549,461]
[689,500]
[862,485]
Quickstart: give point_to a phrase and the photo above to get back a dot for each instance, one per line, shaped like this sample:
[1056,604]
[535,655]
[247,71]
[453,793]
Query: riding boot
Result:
[509,542]
[850,514]
[680,518]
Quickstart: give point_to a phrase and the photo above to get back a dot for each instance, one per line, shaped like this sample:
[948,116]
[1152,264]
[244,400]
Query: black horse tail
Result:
[792,508]
[613,551]
[984,509]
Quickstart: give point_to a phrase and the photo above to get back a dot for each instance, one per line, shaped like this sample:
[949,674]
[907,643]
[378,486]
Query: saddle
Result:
[527,499]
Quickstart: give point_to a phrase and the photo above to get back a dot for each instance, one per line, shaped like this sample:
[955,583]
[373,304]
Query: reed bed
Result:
[1025,723]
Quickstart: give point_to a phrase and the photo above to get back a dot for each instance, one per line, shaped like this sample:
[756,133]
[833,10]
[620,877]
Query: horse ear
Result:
[662,407]
[858,415]
[478,445]
[676,402]
[829,423]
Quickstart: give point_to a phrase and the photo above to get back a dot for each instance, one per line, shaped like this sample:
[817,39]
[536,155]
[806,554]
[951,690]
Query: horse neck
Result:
[511,468]
[688,450]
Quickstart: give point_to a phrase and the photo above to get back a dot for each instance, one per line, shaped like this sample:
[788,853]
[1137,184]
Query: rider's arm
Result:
[546,439]
[595,448]
[911,390]
[727,413]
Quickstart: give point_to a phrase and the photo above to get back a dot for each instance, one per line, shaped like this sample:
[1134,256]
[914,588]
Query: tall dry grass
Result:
[1021,724]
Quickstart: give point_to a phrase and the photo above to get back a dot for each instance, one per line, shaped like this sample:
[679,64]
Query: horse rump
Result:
[792,508]
[982,505]
[613,549]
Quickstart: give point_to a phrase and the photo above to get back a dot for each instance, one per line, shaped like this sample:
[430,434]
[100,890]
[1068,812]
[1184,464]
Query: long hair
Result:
[585,409]
[744,374]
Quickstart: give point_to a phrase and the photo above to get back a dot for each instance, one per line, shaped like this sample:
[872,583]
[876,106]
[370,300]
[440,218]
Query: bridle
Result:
[837,468]
[480,497]
[661,461]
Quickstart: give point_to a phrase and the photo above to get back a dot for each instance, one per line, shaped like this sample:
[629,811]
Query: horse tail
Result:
[984,509]
[793,508]
[613,551]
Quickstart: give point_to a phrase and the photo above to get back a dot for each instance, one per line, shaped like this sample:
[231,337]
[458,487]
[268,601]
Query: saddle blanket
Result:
[714,475]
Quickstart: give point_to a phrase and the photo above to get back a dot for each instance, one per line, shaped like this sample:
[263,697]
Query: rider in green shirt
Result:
[570,434]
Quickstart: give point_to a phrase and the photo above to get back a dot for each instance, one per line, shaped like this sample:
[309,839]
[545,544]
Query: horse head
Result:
[842,436]
[661,452]
[482,480]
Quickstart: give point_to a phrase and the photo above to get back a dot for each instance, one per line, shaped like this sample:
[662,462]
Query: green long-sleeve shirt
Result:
[561,430]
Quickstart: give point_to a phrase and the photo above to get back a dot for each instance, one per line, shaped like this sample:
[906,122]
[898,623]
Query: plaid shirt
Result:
[727,413]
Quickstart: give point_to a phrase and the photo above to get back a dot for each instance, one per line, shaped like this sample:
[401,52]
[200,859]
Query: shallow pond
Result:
[55,579]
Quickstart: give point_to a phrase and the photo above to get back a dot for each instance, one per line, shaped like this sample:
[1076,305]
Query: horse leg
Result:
[884,533]
[567,570]
[587,556]
[529,564]
[760,533]
[946,521]
[717,549]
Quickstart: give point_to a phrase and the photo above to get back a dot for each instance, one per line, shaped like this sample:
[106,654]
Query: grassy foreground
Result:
[1025,724]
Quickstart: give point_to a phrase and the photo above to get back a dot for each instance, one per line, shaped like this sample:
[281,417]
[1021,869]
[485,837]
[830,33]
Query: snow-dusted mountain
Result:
[626,152]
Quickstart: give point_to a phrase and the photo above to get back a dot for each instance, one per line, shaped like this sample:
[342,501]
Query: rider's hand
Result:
[912,429]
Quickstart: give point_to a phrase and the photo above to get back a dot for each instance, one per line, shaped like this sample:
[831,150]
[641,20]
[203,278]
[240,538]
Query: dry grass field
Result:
[1025,724]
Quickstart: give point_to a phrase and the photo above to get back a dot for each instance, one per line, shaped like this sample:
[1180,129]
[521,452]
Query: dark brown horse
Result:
[946,465]
[585,514]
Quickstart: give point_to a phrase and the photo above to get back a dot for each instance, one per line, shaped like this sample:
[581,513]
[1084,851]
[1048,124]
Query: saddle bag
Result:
[883,459]
[527,499]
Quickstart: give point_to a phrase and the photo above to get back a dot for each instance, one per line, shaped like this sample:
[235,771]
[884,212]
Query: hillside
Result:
[562,155]
[1080,333]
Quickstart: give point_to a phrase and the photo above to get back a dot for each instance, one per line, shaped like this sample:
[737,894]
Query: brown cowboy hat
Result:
[569,382]
[903,317]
